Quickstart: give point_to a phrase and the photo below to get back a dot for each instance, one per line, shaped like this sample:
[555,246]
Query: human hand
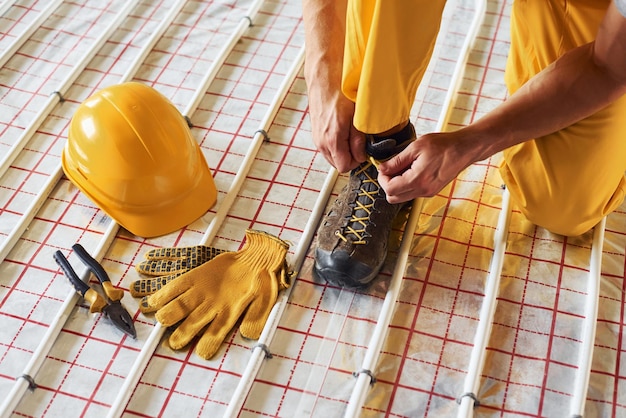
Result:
[330,111]
[425,167]
[335,137]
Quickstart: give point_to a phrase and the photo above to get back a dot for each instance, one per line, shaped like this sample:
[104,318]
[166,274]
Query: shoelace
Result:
[360,234]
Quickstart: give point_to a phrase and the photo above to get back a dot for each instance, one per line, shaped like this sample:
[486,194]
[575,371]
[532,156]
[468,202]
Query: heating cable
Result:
[24,381]
[158,331]
[30,29]
[365,373]
[25,220]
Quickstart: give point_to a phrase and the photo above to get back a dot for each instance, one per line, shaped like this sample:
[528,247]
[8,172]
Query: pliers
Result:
[109,304]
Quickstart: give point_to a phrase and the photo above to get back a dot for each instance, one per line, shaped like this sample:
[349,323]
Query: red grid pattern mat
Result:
[323,334]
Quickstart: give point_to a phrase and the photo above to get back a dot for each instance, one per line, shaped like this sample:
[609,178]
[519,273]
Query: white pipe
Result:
[23,382]
[257,141]
[158,331]
[365,375]
[242,27]
[32,27]
[154,38]
[6,6]
[57,324]
[258,352]
[487,311]
[56,175]
[56,96]
[21,225]
[459,69]
[591,317]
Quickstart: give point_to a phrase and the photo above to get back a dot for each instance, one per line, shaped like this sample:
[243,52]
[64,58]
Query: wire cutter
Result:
[109,304]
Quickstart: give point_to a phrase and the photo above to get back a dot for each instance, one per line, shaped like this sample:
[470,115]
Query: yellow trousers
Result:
[565,182]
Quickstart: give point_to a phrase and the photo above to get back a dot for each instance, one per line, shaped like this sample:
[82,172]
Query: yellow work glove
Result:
[213,296]
[166,264]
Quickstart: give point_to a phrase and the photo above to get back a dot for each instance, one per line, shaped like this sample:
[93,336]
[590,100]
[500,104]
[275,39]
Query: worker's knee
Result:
[559,220]
[569,214]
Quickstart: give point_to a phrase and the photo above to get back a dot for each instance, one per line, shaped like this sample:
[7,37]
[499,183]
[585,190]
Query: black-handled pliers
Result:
[109,304]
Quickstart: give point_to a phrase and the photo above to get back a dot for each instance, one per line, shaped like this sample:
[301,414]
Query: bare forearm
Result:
[574,87]
[324,31]
[578,84]
[330,110]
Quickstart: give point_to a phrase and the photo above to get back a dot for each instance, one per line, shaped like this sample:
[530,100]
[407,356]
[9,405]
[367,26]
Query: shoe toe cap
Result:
[339,269]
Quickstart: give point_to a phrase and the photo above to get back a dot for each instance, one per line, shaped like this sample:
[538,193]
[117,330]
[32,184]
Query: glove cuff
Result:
[263,250]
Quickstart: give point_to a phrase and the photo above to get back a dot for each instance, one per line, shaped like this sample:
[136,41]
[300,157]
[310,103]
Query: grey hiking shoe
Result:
[353,236]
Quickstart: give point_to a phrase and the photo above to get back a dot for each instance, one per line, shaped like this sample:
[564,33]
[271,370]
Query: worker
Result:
[562,130]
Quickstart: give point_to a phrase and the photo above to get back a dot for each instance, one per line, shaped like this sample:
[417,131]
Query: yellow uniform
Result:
[566,181]
[569,180]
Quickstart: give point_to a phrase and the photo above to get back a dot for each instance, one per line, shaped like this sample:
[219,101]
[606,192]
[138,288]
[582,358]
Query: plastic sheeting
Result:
[322,336]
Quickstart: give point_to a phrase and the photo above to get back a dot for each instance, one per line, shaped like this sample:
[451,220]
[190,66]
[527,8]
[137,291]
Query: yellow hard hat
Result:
[132,153]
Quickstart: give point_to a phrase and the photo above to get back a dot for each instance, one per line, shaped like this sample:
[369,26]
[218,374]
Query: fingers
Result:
[399,163]
[192,326]
[334,134]
[397,189]
[172,311]
[168,253]
[345,153]
[398,176]
[357,146]
[215,334]
[145,307]
[143,287]
[181,290]
[162,261]
[404,178]
[259,310]
[146,287]
[221,324]
[155,267]
[340,157]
